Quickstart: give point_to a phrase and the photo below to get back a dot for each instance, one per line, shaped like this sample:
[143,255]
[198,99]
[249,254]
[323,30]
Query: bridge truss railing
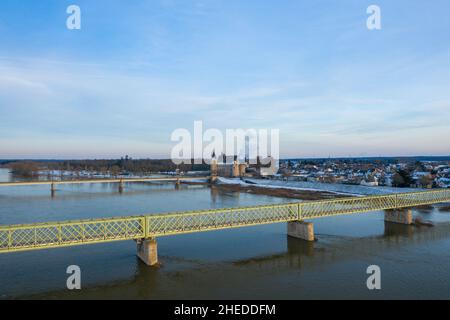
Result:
[169,224]
[52,235]
[62,234]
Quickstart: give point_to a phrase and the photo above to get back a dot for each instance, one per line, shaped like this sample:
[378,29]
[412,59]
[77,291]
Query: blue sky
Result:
[137,70]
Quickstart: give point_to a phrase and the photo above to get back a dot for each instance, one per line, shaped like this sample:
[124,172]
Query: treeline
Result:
[403,178]
[25,169]
[124,165]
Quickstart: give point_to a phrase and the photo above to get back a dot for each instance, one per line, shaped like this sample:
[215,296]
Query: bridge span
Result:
[120,181]
[145,229]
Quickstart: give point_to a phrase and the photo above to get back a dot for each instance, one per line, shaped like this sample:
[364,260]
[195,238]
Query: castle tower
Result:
[242,169]
[214,166]
[236,172]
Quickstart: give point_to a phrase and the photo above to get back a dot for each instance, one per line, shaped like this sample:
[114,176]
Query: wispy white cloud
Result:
[133,74]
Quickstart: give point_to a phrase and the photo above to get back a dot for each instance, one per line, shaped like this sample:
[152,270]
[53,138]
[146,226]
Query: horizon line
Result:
[281,158]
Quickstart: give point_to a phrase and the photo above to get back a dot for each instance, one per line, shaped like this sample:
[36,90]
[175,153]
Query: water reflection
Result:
[265,276]
[395,230]
[332,249]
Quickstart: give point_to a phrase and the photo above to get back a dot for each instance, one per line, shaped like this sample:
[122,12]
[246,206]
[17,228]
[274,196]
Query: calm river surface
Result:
[249,263]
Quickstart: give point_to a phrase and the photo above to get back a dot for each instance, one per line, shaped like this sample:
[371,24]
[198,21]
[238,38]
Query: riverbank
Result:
[309,191]
[308,195]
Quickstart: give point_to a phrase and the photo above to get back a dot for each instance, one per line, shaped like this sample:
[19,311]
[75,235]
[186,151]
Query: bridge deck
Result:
[71,233]
[124,180]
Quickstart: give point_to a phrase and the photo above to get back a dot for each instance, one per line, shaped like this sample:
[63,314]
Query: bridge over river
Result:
[119,181]
[146,229]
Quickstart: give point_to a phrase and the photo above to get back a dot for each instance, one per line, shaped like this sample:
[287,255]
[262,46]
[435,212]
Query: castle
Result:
[231,167]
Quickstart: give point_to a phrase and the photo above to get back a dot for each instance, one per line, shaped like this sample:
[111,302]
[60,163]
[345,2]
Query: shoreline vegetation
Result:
[121,167]
[26,169]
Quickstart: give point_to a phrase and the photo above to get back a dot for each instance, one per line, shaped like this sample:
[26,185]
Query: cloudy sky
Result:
[138,70]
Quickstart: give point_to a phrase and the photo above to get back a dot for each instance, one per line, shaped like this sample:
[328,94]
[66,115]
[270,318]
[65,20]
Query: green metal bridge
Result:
[14,238]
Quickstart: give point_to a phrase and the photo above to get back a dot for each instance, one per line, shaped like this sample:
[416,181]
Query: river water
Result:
[249,263]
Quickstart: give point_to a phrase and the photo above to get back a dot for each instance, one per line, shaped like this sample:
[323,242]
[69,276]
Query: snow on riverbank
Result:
[354,190]
[194,180]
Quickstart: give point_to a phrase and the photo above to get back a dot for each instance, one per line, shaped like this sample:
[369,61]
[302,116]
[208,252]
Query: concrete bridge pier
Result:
[53,189]
[301,230]
[121,186]
[147,251]
[401,216]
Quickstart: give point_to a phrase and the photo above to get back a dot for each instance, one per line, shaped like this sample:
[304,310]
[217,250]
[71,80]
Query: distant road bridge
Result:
[120,181]
[145,229]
